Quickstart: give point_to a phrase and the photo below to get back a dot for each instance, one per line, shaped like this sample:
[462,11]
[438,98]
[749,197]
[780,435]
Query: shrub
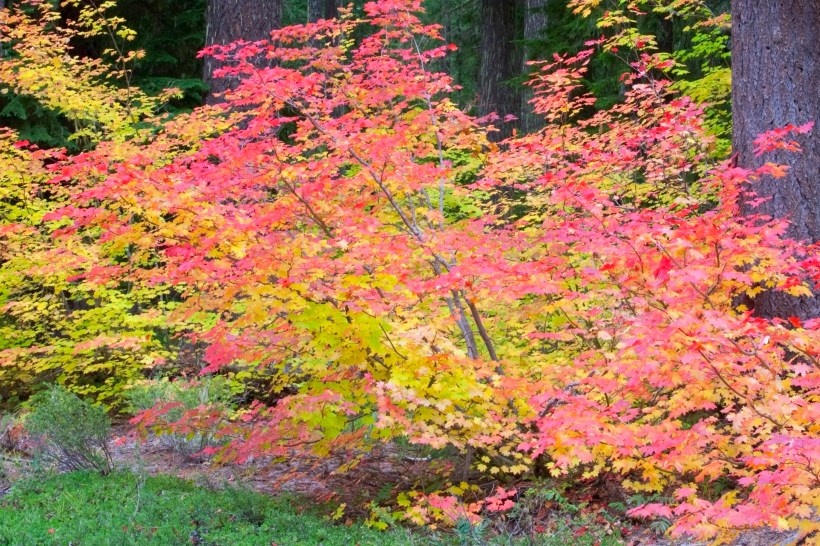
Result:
[69,431]
[212,392]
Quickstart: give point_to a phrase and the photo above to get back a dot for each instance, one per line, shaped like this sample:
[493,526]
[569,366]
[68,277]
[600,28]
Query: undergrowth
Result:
[124,508]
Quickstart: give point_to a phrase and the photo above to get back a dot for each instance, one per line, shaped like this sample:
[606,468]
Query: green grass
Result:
[85,509]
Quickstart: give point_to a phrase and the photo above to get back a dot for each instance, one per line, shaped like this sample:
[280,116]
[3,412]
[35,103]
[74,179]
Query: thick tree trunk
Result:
[500,62]
[535,19]
[776,82]
[535,26]
[323,9]
[231,20]
[316,10]
[332,8]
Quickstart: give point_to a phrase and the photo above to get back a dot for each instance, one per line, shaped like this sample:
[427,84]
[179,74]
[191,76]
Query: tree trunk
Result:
[231,20]
[316,10]
[500,62]
[776,82]
[332,8]
[535,26]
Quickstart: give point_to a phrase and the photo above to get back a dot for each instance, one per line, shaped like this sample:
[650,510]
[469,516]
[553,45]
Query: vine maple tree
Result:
[570,301]
[667,378]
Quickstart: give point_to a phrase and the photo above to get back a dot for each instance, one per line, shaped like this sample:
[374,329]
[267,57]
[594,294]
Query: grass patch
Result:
[86,509]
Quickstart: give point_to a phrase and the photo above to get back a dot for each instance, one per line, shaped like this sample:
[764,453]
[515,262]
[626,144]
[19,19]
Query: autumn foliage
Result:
[576,301]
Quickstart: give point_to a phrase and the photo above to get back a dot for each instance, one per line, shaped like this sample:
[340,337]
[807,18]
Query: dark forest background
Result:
[495,39]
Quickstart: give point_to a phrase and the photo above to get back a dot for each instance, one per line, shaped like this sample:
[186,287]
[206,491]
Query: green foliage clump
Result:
[213,392]
[208,390]
[69,431]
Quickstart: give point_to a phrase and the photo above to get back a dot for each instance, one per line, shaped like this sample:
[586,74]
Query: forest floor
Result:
[378,477]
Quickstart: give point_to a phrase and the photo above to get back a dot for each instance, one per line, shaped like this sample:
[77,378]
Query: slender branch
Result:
[390,341]
[439,144]
[313,216]
[738,393]
[457,311]
[482,331]
[414,230]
